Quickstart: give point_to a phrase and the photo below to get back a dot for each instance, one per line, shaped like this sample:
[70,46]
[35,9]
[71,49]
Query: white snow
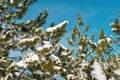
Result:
[28,40]
[22,64]
[64,70]
[43,59]
[54,58]
[57,68]
[80,48]
[52,29]
[58,77]
[104,40]
[93,43]
[11,1]
[39,48]
[111,24]
[17,73]
[46,46]
[114,29]
[46,42]
[8,32]
[38,72]
[114,25]
[20,4]
[9,76]
[64,53]
[29,58]
[13,64]
[117,72]
[83,55]
[28,21]
[3,59]
[70,77]
[71,58]
[63,47]
[98,71]
[38,29]
[70,40]
[83,64]
[34,57]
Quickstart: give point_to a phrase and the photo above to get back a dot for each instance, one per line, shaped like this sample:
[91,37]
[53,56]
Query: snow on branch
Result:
[104,41]
[27,41]
[56,28]
[29,58]
[45,48]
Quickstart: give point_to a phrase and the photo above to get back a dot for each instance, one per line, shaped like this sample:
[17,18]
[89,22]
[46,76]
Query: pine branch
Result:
[20,74]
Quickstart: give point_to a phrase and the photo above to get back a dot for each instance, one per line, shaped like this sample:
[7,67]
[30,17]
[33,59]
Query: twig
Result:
[17,78]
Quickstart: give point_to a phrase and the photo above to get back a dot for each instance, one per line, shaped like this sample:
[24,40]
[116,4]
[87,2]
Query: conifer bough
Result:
[39,54]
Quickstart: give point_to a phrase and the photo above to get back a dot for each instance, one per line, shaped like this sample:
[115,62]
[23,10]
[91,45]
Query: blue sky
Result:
[99,13]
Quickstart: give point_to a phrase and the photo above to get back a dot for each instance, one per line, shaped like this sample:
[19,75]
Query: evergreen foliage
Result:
[44,58]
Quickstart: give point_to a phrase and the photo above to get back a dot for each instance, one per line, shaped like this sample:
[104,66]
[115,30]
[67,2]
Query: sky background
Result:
[98,13]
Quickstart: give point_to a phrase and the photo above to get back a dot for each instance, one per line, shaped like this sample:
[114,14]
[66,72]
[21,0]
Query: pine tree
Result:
[43,57]
[38,47]
[89,53]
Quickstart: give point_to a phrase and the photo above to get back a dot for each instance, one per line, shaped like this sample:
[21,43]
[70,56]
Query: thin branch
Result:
[20,74]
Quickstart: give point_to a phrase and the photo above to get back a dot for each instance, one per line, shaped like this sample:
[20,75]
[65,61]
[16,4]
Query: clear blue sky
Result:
[99,13]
